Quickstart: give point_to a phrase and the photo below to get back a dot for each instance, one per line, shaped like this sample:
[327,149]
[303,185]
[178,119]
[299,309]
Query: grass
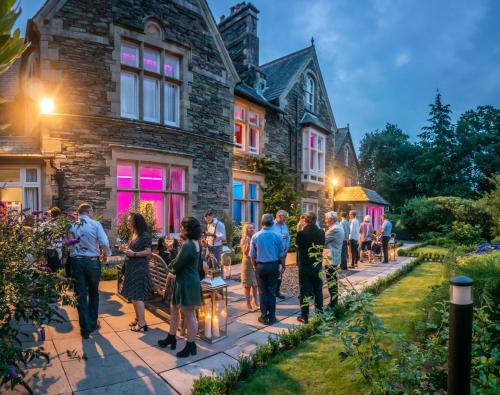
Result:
[314,366]
[431,250]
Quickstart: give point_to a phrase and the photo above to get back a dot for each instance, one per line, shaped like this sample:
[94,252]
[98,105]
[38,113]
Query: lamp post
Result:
[460,338]
[47,106]
[334,184]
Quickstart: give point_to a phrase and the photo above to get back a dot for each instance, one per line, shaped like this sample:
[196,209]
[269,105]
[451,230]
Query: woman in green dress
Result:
[187,296]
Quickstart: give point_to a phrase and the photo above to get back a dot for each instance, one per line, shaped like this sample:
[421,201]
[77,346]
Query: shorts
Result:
[366,245]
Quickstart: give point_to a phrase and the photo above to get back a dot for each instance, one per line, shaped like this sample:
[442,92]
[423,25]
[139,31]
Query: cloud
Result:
[402,58]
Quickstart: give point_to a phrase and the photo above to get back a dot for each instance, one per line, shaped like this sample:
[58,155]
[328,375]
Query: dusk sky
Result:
[382,60]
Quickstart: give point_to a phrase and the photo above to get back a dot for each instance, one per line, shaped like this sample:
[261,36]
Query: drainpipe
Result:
[60,176]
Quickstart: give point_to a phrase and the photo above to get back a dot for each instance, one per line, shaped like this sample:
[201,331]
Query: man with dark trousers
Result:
[385,231]
[268,259]
[310,268]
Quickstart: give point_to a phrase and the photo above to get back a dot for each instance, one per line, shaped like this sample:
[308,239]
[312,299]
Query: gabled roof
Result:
[340,137]
[9,81]
[247,92]
[279,72]
[311,119]
[359,194]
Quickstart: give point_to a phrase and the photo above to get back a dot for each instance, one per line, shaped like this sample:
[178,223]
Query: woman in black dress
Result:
[136,285]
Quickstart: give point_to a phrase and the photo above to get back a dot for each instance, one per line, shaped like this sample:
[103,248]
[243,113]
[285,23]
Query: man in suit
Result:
[334,237]
[310,281]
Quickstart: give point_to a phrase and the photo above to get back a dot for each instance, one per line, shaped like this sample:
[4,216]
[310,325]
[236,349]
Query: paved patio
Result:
[118,361]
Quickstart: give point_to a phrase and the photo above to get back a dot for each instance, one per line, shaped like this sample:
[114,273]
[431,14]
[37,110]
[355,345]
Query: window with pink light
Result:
[238,135]
[129,55]
[125,175]
[171,66]
[156,199]
[151,60]
[151,177]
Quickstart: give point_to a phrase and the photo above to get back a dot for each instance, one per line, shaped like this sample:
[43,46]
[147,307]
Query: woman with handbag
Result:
[187,296]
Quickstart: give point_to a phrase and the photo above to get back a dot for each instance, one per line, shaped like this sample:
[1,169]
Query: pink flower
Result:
[70,242]
[62,278]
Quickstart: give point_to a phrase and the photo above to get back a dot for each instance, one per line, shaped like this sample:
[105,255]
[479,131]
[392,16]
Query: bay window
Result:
[248,127]
[153,75]
[313,157]
[246,202]
[20,188]
[162,186]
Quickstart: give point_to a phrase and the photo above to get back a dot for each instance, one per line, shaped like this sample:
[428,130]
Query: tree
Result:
[386,164]
[478,134]
[12,46]
[440,164]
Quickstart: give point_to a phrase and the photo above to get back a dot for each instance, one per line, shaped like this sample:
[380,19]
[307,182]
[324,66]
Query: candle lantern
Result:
[226,260]
[212,316]
[393,254]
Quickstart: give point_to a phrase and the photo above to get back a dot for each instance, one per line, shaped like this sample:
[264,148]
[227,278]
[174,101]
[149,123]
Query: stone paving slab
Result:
[147,385]
[247,344]
[182,378]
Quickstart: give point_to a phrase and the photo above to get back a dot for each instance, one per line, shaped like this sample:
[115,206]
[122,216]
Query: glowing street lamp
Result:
[47,106]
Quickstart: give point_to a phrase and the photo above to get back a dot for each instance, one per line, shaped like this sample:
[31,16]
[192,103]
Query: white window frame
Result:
[246,125]
[317,173]
[309,93]
[310,206]
[23,184]
[135,114]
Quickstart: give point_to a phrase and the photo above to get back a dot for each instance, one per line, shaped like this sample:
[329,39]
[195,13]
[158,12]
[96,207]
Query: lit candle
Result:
[208,326]
[216,326]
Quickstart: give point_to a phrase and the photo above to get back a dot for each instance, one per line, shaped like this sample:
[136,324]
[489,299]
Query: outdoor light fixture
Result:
[334,182]
[212,317]
[47,106]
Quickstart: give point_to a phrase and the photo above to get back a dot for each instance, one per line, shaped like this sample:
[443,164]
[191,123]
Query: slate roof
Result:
[279,72]
[339,139]
[9,81]
[311,119]
[247,92]
[359,194]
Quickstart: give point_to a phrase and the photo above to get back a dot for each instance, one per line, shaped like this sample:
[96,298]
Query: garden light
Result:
[460,339]
[47,106]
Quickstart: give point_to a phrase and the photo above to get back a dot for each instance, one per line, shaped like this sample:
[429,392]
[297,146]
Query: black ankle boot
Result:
[190,349]
[169,340]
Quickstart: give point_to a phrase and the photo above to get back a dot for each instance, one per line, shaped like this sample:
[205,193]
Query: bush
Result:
[465,234]
[147,210]
[420,216]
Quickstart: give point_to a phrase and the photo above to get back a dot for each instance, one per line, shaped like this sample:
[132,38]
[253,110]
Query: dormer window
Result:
[346,156]
[310,90]
[248,125]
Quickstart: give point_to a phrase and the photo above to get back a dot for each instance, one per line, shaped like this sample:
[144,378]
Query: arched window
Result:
[310,90]
[153,29]
[346,155]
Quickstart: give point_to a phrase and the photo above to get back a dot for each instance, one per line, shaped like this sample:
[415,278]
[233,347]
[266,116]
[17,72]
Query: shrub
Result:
[419,216]
[465,234]
[148,212]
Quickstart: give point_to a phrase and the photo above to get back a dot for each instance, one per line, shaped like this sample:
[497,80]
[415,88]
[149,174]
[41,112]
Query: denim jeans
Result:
[385,247]
[310,285]
[86,274]
[267,279]
[354,252]
[343,259]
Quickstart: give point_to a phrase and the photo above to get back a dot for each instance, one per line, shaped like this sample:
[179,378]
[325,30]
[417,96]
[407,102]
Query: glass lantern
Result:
[212,316]
[226,260]
[393,254]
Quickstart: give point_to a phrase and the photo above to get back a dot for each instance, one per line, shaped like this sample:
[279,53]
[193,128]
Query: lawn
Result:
[315,368]
[431,250]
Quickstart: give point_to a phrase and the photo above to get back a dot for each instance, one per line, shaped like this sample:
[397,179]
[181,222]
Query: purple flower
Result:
[36,213]
[62,278]
[47,269]
[70,242]
[42,333]
[12,372]
[20,237]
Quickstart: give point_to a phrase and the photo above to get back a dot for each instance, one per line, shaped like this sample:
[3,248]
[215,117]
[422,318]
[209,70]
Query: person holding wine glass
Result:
[136,285]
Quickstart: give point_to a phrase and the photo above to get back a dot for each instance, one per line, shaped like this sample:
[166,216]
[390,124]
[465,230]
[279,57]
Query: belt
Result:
[92,258]
[265,263]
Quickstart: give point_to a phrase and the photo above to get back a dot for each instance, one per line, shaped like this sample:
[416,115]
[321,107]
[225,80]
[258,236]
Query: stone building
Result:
[155,102]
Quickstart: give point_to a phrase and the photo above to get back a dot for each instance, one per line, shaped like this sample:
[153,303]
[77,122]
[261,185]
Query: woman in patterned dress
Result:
[137,286]
[248,278]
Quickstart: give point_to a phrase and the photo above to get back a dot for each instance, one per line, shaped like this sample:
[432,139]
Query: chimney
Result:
[239,32]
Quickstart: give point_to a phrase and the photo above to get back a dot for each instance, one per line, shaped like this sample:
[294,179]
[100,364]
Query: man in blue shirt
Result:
[268,256]
[91,246]
[282,231]
[347,229]
[385,231]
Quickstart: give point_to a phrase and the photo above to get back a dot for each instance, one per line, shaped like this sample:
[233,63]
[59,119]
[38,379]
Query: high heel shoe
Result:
[189,349]
[139,328]
[169,340]
[134,322]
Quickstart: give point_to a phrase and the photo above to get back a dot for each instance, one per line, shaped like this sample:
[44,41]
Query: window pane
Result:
[10,175]
[320,143]
[239,113]
[254,140]
[151,60]
[177,179]
[130,55]
[171,104]
[252,191]
[238,135]
[151,99]
[171,66]
[31,175]
[177,212]
[253,118]
[237,212]
[253,213]
[156,200]
[125,175]
[13,197]
[151,177]
[238,190]
[129,95]
[124,202]
[31,199]
[312,141]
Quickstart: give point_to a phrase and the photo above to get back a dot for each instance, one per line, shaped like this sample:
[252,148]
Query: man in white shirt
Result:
[354,238]
[216,236]
[91,246]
